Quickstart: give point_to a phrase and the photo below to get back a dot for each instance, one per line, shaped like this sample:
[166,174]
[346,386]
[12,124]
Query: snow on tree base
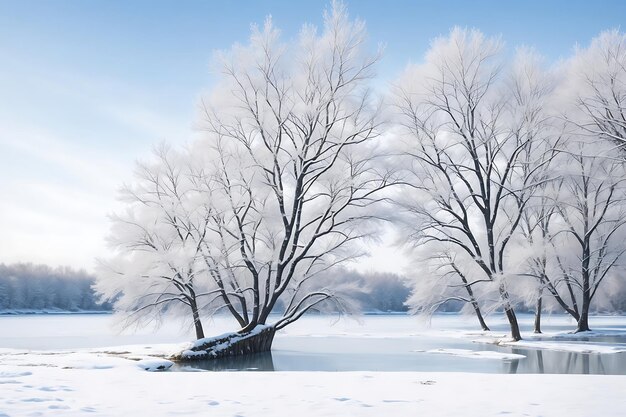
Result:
[229,344]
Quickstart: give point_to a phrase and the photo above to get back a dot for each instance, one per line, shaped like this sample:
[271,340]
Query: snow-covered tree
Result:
[442,278]
[474,147]
[290,130]
[536,249]
[273,195]
[587,232]
[159,240]
[578,220]
[595,81]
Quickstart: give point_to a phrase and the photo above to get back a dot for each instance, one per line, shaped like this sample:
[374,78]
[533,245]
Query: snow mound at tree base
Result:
[230,344]
[154,365]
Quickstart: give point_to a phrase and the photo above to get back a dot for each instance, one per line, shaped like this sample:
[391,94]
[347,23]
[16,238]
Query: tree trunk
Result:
[479,315]
[234,344]
[583,321]
[473,301]
[538,313]
[196,320]
[510,315]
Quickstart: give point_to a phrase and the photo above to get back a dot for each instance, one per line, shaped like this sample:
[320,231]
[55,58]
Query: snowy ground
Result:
[129,391]
[113,381]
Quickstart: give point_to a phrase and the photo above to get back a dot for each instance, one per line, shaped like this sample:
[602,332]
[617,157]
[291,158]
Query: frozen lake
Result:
[321,343]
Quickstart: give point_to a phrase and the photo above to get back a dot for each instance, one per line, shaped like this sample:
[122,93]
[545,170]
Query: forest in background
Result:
[27,287]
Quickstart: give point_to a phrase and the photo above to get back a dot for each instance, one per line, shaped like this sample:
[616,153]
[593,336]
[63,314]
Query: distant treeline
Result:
[30,287]
[375,291]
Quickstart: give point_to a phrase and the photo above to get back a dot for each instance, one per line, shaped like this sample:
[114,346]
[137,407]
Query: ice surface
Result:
[572,346]
[477,354]
[323,343]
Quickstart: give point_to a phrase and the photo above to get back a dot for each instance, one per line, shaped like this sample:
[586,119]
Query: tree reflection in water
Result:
[547,362]
[255,362]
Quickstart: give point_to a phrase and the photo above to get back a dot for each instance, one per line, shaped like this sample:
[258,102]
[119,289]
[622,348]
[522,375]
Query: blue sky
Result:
[87,87]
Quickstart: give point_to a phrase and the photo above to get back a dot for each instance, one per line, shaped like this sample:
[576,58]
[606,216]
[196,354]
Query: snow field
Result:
[128,391]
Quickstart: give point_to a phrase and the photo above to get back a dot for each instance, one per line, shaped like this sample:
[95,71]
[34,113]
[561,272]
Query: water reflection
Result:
[513,365]
[410,354]
[551,362]
[315,343]
[540,367]
[257,362]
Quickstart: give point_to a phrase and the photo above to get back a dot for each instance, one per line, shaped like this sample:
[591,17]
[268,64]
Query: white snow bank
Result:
[154,365]
[127,391]
[571,346]
[589,334]
[163,350]
[481,354]
[564,342]
[106,358]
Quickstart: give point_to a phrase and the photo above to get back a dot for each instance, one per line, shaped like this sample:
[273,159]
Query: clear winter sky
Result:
[87,87]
